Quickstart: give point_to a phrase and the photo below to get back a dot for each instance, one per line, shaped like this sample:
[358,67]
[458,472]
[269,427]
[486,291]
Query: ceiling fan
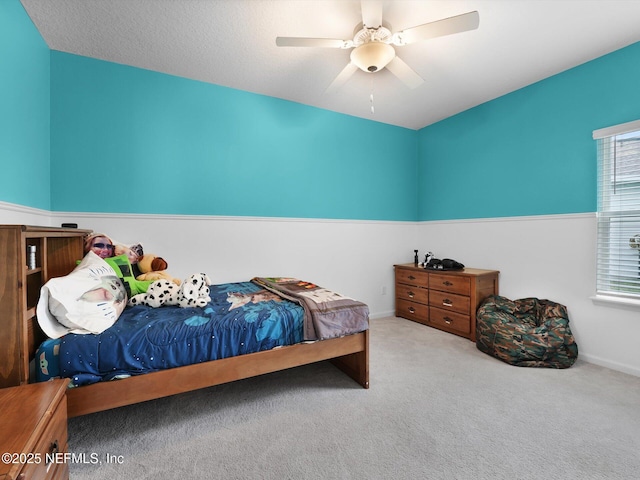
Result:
[373,44]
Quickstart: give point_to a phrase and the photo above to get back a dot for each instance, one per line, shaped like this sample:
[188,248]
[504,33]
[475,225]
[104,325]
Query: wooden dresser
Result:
[33,441]
[446,300]
[55,251]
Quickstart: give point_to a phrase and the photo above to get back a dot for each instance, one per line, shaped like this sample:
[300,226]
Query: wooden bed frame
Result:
[349,353]
[58,249]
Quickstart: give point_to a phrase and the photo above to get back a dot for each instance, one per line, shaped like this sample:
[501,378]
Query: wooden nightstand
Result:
[34,431]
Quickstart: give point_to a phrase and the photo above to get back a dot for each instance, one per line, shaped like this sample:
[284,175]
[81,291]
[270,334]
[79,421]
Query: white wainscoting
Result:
[549,257]
[543,256]
[354,258]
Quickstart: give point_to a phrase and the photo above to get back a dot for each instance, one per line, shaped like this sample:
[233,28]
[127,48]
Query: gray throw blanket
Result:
[327,314]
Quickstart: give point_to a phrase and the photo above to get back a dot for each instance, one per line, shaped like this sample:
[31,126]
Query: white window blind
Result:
[618,237]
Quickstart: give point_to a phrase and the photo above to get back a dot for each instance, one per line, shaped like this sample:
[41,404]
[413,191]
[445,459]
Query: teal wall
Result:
[24,110]
[529,152]
[131,140]
[78,134]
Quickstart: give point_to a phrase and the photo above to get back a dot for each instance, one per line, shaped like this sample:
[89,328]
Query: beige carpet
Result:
[437,409]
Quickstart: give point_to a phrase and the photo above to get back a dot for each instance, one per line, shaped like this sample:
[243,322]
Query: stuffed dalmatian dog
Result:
[193,292]
[159,293]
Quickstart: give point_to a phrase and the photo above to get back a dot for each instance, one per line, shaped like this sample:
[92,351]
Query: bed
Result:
[246,329]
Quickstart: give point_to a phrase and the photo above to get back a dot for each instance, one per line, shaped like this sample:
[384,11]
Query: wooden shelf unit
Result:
[57,250]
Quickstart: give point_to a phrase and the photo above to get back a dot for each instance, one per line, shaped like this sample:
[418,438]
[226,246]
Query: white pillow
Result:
[88,300]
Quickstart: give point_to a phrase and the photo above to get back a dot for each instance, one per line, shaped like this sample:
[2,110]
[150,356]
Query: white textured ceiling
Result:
[232,43]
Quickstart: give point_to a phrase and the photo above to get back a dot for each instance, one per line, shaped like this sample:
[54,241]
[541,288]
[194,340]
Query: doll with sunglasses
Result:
[100,244]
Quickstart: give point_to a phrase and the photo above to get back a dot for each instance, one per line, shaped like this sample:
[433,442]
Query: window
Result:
[618,237]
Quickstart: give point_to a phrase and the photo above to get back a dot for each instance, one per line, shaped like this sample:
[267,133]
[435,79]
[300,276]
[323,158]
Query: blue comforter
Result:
[241,318]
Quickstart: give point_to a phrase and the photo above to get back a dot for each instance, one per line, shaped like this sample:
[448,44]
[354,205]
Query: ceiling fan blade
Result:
[342,78]
[311,42]
[371,13]
[405,73]
[439,28]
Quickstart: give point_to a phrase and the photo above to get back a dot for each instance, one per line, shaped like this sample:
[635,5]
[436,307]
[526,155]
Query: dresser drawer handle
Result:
[447,303]
[412,310]
[411,277]
[54,449]
[410,294]
[447,320]
[447,283]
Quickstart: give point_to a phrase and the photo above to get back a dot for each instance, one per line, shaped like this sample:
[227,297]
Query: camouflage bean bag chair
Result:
[527,333]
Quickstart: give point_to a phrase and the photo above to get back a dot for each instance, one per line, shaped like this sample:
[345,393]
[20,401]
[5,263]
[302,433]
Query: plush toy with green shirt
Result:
[123,269]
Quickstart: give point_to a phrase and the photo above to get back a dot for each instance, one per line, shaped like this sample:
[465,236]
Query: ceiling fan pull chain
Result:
[371,98]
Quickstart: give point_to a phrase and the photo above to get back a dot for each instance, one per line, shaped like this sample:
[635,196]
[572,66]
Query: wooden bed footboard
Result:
[349,353]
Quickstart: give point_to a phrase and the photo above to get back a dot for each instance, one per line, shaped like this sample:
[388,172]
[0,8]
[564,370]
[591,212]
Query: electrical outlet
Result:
[383,290]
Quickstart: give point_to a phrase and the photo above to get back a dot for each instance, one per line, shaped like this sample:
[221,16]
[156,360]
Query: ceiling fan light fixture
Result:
[372,56]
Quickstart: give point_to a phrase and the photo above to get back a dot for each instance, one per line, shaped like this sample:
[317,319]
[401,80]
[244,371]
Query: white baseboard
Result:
[383,314]
[609,364]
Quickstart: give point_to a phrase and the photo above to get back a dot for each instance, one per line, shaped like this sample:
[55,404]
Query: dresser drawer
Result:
[52,441]
[449,301]
[451,321]
[412,277]
[450,283]
[412,293]
[412,311]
